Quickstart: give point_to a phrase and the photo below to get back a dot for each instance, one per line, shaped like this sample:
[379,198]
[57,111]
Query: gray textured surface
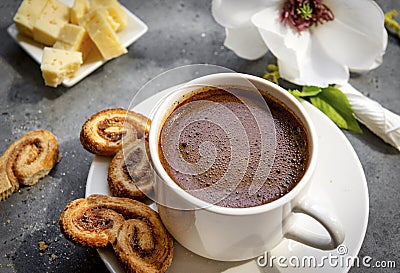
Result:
[180,32]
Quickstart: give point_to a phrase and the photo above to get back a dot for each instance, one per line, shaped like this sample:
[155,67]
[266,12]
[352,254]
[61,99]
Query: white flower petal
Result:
[284,42]
[379,120]
[355,37]
[316,69]
[289,72]
[236,13]
[239,39]
[301,59]
[378,61]
[320,69]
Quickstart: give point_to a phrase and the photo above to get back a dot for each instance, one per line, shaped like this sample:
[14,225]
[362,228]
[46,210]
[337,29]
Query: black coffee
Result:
[287,168]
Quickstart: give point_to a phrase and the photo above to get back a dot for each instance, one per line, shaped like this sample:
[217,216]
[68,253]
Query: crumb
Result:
[53,256]
[42,246]
[8,221]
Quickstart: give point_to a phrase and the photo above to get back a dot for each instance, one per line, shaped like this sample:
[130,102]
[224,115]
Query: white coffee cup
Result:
[234,234]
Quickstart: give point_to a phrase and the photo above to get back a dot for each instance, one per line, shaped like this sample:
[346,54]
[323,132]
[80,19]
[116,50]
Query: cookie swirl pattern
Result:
[103,132]
[27,160]
[139,239]
[130,173]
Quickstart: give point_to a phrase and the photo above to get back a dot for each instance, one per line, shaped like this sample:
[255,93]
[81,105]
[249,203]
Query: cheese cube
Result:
[59,64]
[53,17]
[74,38]
[27,13]
[104,37]
[89,16]
[115,10]
[78,10]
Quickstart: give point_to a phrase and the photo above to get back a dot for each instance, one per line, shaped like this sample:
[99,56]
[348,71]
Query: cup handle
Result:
[295,231]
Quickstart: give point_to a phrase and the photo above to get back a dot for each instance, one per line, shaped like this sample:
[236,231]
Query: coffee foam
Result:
[245,137]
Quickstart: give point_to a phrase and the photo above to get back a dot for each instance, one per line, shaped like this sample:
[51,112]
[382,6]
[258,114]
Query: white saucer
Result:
[339,184]
[134,29]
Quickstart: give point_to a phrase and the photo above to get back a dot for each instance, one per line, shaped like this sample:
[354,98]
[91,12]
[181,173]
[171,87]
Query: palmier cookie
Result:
[140,241]
[27,160]
[102,133]
[130,173]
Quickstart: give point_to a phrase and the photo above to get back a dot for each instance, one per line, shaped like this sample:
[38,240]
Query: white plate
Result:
[134,29]
[339,184]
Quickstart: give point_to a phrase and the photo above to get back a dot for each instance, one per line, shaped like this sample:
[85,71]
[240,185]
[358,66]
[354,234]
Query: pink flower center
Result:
[302,14]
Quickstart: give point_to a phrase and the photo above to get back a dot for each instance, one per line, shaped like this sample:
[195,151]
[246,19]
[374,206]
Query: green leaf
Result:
[307,91]
[311,90]
[333,103]
[296,93]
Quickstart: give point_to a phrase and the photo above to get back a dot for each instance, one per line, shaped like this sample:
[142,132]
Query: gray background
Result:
[180,33]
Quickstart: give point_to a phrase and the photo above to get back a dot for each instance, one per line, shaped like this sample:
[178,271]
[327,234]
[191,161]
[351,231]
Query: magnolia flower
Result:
[316,42]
